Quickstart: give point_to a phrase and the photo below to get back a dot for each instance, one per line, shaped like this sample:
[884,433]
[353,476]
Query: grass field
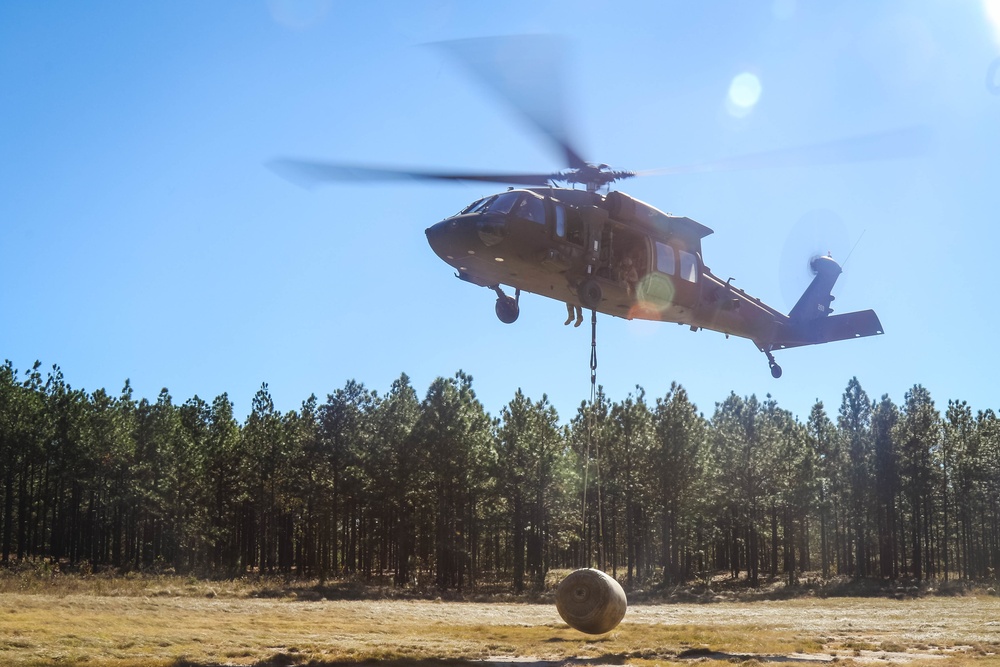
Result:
[181,622]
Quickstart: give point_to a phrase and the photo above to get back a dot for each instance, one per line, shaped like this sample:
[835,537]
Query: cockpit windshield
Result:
[474,206]
[503,203]
[495,204]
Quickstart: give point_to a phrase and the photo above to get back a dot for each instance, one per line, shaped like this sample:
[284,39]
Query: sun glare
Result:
[992,10]
[744,93]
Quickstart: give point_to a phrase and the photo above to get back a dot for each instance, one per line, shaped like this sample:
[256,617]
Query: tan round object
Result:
[590,601]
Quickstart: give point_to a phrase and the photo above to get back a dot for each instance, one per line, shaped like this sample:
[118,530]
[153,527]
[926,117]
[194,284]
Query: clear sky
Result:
[143,237]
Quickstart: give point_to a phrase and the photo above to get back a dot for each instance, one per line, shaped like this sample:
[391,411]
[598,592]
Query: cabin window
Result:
[689,266]
[531,208]
[560,213]
[665,262]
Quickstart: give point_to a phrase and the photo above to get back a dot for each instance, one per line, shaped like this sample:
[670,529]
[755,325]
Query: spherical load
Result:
[590,601]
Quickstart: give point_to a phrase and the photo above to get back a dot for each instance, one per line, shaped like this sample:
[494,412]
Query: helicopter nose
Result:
[445,237]
[436,233]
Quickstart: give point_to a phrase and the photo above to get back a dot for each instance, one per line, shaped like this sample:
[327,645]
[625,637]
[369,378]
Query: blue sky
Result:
[143,237]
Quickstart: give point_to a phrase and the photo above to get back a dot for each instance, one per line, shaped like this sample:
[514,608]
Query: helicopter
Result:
[603,250]
[619,256]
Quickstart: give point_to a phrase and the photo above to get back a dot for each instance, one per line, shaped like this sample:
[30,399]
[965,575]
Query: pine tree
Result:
[918,434]
[680,470]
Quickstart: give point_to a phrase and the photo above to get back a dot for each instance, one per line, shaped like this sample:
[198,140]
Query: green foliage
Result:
[397,490]
[529,443]
[682,468]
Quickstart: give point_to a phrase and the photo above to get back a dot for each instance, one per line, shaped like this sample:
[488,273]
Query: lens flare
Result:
[744,93]
[656,294]
[991,8]
[644,310]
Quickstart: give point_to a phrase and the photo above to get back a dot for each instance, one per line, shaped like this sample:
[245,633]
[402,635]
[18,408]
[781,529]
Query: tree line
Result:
[434,491]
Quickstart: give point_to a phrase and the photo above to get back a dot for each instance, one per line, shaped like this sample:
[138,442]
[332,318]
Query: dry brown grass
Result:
[175,622]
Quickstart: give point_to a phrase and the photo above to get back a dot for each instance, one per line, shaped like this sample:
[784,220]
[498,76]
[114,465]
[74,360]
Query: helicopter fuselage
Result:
[619,256]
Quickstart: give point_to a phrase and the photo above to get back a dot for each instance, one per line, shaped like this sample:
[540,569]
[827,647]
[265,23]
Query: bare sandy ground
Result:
[931,620]
[162,629]
[861,629]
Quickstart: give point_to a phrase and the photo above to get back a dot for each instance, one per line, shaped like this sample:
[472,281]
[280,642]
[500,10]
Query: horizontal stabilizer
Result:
[828,329]
[849,325]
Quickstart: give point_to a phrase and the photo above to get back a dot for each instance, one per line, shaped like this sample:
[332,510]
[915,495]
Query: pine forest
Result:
[405,490]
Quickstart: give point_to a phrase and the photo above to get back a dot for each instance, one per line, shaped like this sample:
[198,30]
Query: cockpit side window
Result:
[560,213]
[574,230]
[531,208]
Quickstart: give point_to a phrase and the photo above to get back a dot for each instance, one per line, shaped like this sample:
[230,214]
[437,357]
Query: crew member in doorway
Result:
[629,276]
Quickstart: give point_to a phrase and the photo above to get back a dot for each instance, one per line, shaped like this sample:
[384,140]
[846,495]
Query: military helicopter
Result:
[601,249]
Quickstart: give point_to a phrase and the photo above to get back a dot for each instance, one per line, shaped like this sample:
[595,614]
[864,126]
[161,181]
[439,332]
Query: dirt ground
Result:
[39,629]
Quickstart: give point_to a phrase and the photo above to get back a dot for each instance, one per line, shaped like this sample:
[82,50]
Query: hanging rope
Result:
[585,551]
[597,444]
[593,356]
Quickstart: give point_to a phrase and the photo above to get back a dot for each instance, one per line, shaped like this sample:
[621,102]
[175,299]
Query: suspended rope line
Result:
[597,441]
[584,542]
[593,356]
[584,551]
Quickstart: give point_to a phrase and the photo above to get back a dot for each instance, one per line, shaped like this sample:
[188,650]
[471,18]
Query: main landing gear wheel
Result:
[507,308]
[590,294]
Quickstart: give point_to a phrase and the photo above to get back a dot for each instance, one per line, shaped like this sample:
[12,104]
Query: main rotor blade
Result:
[310,174]
[526,71]
[893,144]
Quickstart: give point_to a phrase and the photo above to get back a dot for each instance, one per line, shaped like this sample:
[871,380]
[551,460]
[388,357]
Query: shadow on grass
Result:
[292,660]
[700,654]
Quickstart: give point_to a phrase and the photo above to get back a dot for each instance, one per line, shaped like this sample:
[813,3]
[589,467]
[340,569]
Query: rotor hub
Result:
[594,176]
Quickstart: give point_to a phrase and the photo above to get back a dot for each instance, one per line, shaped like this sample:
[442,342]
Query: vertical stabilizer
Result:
[815,301]
[810,321]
